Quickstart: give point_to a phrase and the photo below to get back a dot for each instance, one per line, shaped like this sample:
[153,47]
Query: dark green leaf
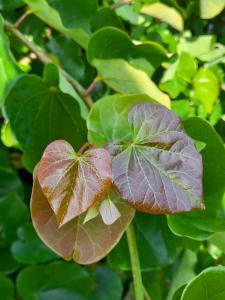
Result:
[6,288]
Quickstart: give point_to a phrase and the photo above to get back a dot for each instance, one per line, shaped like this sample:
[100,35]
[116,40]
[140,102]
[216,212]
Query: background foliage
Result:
[164,49]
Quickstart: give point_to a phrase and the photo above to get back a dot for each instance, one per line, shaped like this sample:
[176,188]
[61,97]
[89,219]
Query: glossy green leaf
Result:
[58,280]
[209,9]
[75,16]
[209,284]
[6,288]
[165,14]
[51,16]
[125,79]
[49,114]
[8,69]
[85,243]
[72,182]
[108,284]
[108,119]
[201,225]
[28,249]
[159,170]
[206,88]
[51,75]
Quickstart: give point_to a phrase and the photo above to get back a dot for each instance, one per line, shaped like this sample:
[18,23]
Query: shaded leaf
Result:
[209,9]
[159,170]
[209,284]
[73,182]
[49,114]
[106,17]
[8,264]
[86,243]
[6,288]
[164,13]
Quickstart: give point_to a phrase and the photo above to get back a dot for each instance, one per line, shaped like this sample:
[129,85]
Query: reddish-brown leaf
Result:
[159,171]
[85,243]
[72,182]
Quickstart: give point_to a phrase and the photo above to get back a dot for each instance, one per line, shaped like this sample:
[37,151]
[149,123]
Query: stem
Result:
[22,18]
[91,87]
[135,263]
[120,3]
[45,59]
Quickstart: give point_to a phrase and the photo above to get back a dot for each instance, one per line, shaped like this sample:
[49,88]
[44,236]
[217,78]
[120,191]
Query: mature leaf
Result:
[209,9]
[101,47]
[164,13]
[209,284]
[49,114]
[206,88]
[28,249]
[125,79]
[73,182]
[75,16]
[8,264]
[8,5]
[58,280]
[109,284]
[8,69]
[51,16]
[202,225]
[159,171]
[85,243]
[106,17]
[6,288]
[108,119]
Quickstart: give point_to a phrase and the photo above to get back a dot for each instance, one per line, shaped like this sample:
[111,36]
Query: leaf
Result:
[28,249]
[109,284]
[73,182]
[202,225]
[49,114]
[85,243]
[58,280]
[209,9]
[51,16]
[51,75]
[8,264]
[6,287]
[106,17]
[125,79]
[217,240]
[8,69]
[159,171]
[109,211]
[75,16]
[165,14]
[100,47]
[108,118]
[206,88]
[8,5]
[209,284]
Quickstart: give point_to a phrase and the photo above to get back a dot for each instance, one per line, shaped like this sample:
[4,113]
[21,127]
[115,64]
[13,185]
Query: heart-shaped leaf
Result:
[159,171]
[73,182]
[85,243]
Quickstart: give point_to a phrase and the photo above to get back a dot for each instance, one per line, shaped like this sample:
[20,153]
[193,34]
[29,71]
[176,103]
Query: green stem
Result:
[135,263]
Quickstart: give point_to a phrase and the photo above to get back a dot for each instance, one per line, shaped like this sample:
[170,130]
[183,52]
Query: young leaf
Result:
[49,113]
[85,243]
[109,211]
[209,9]
[159,171]
[73,182]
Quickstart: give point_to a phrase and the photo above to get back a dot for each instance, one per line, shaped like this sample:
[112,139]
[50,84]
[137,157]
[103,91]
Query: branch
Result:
[120,3]
[45,59]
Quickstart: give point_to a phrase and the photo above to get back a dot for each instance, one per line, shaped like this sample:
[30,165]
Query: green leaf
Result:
[75,16]
[125,79]
[28,249]
[206,88]
[8,5]
[209,9]
[51,16]
[8,69]
[108,119]
[72,182]
[51,75]
[58,280]
[49,114]
[73,239]
[7,136]
[106,17]
[209,284]
[8,264]
[6,288]
[202,225]
[109,284]
[159,170]
[183,108]
[165,14]
[218,240]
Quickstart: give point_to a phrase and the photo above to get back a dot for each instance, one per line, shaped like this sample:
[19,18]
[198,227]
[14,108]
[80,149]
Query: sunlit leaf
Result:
[209,9]
[109,211]
[73,182]
[85,243]
[164,13]
[159,170]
